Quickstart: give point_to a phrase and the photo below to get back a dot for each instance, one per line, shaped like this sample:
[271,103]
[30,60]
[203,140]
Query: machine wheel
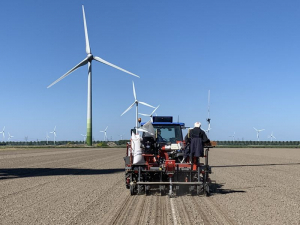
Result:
[132,190]
[162,190]
[199,190]
[206,189]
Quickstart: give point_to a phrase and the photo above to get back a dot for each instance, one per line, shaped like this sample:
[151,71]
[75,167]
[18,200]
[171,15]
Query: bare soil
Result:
[86,186]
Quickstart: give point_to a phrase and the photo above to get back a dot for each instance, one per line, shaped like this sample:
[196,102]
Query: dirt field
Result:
[86,186]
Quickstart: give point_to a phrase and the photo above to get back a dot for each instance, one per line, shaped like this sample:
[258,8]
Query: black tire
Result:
[132,190]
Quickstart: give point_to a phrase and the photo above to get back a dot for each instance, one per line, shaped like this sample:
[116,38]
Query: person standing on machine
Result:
[195,140]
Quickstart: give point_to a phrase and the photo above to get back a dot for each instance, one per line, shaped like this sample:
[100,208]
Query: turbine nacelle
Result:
[90,57]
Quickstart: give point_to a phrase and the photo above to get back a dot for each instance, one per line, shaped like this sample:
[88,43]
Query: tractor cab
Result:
[165,131]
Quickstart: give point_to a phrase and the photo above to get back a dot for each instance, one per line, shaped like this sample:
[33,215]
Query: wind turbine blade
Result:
[128,109]
[101,131]
[255,128]
[154,110]
[112,65]
[82,63]
[134,94]
[106,128]
[87,43]
[144,130]
[144,114]
[143,103]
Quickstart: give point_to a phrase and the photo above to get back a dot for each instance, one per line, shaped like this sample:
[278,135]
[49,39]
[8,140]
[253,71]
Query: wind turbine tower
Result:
[233,136]
[88,60]
[84,137]
[136,102]
[257,133]
[47,137]
[3,135]
[54,133]
[104,131]
[208,117]
[9,136]
[272,136]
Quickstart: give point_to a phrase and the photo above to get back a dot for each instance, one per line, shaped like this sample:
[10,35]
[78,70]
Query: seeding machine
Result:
[160,163]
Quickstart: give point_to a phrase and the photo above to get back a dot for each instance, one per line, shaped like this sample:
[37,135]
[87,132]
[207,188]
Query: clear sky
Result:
[247,53]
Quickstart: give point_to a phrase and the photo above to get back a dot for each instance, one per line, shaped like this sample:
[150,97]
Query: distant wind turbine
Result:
[136,102]
[9,136]
[84,137]
[257,131]
[88,60]
[104,131]
[3,135]
[54,133]
[233,136]
[47,137]
[151,114]
[121,136]
[271,136]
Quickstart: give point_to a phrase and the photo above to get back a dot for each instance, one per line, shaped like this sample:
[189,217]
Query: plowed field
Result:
[86,186]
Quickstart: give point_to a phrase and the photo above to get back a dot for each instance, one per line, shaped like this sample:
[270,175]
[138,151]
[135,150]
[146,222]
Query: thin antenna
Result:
[208,118]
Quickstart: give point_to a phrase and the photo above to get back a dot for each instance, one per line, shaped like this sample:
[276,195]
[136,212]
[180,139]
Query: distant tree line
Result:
[122,143]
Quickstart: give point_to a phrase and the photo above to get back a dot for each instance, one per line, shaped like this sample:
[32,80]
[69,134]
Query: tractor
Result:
[156,160]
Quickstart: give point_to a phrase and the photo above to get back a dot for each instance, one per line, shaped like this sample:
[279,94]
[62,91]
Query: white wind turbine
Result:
[84,137]
[272,136]
[3,135]
[136,102]
[104,131]
[121,135]
[257,131]
[151,114]
[208,118]
[233,136]
[88,60]
[47,137]
[9,136]
[54,133]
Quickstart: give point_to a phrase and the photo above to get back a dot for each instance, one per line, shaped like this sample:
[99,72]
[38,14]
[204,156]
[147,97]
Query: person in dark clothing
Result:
[195,140]
[159,137]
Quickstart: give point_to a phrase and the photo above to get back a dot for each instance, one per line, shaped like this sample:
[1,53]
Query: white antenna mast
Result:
[208,118]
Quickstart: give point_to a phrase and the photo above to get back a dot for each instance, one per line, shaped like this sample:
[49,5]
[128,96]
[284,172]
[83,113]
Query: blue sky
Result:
[245,52]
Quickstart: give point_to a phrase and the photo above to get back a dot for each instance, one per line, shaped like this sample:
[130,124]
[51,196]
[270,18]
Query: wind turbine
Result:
[84,137]
[136,102]
[104,131]
[9,136]
[271,136]
[208,118]
[3,135]
[233,136]
[88,60]
[54,133]
[151,114]
[121,136]
[47,137]
[257,131]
